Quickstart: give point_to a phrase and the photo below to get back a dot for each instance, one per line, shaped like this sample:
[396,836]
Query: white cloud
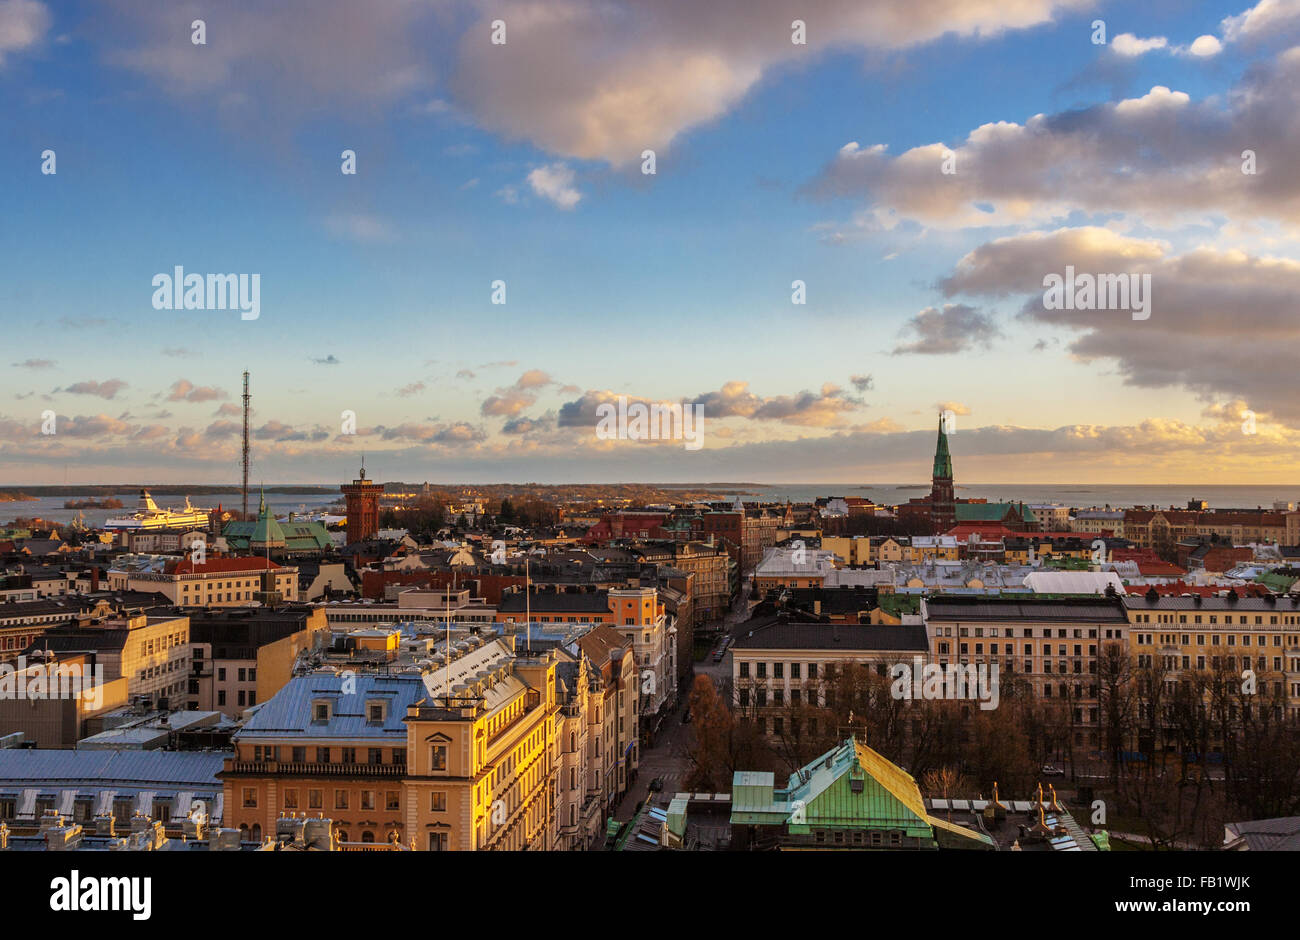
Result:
[1205,46]
[606,79]
[1266,18]
[555,183]
[1162,156]
[1129,46]
[1221,322]
[22,24]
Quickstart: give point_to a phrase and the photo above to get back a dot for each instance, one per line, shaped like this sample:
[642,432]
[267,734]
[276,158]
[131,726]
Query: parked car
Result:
[1051,771]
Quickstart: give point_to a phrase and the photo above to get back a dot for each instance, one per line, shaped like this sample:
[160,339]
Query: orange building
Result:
[362,497]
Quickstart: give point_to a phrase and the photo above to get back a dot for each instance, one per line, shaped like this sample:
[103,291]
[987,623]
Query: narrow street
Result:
[668,760]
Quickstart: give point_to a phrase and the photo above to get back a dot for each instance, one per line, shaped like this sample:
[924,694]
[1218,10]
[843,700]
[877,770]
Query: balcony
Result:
[295,769]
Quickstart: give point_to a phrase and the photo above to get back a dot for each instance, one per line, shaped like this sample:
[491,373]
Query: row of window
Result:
[1182,639]
[778,670]
[366,800]
[1260,663]
[1242,619]
[1062,633]
[324,755]
[162,643]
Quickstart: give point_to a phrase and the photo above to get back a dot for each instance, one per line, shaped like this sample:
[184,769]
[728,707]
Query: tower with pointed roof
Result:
[268,533]
[362,497]
[943,498]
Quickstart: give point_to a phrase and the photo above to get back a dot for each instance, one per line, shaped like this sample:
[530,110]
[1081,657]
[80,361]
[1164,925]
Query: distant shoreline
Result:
[158,489]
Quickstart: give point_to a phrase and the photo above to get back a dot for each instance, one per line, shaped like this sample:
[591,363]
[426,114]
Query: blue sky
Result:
[375,287]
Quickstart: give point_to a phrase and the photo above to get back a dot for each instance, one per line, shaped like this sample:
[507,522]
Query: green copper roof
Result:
[850,787]
[267,531]
[942,459]
[1276,581]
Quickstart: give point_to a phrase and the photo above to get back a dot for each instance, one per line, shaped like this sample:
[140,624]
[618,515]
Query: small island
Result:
[107,503]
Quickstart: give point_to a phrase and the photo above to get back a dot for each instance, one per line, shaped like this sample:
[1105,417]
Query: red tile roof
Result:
[1176,588]
[1158,569]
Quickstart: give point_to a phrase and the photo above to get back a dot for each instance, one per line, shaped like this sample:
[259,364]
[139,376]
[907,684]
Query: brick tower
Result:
[363,507]
[943,498]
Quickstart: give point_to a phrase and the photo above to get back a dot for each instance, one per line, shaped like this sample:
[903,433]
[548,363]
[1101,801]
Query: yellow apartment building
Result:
[1209,633]
[482,773]
[854,550]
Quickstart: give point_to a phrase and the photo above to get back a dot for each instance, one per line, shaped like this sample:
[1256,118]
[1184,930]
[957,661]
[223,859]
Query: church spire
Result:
[943,498]
[942,459]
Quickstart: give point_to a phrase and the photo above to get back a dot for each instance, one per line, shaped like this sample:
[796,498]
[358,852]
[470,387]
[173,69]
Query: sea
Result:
[1074,495]
[51,507]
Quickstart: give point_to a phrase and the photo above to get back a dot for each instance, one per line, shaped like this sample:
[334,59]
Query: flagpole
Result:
[447,665]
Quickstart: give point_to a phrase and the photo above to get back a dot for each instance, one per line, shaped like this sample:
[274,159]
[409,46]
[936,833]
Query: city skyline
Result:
[775,162]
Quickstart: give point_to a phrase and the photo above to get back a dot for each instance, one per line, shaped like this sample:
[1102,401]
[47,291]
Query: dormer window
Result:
[376,711]
[321,710]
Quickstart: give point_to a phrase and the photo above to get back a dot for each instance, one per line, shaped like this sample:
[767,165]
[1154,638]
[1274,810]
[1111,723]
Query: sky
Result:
[920,166]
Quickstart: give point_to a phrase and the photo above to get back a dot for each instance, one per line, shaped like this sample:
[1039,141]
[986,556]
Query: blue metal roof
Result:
[289,711]
[50,768]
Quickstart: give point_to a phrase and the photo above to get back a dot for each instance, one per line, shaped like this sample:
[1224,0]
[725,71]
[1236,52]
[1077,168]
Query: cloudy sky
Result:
[920,165]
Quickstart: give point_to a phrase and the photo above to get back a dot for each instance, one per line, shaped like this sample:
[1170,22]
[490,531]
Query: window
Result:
[437,842]
[315,799]
[250,797]
[438,757]
[290,799]
[368,799]
[375,712]
[322,755]
[340,799]
[437,801]
[320,711]
[375,755]
[392,800]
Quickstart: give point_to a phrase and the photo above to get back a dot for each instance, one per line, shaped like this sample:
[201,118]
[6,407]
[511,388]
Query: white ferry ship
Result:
[149,516]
